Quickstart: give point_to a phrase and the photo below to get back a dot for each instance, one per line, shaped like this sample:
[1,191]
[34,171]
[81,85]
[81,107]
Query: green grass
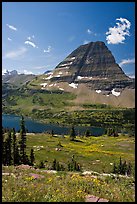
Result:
[62,187]
[86,150]
[26,102]
[92,153]
[55,108]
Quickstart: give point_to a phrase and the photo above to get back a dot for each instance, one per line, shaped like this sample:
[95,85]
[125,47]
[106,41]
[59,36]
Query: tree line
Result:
[13,149]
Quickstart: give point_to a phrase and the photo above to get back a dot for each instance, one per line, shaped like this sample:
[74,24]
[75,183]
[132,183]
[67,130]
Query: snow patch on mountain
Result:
[73,85]
[49,77]
[115,93]
[61,89]
[43,84]
[98,91]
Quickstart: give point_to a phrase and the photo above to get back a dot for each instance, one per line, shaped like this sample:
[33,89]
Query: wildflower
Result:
[79,191]
[49,180]
[29,178]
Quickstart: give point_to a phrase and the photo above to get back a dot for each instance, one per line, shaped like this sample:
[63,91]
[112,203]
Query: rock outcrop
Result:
[94,65]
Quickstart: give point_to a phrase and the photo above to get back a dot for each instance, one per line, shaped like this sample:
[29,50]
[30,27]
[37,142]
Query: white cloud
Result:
[89,31]
[48,50]
[9,39]
[127,61]
[85,42]
[16,53]
[27,72]
[11,27]
[30,37]
[27,42]
[4,71]
[117,34]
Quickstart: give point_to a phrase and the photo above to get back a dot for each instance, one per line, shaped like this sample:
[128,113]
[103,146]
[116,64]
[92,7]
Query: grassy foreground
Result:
[93,153]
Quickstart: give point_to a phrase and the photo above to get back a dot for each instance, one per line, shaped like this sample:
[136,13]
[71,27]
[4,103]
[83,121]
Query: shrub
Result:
[41,165]
[57,166]
[122,168]
[73,165]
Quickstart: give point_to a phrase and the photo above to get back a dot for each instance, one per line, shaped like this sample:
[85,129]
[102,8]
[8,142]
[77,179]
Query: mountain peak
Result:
[93,64]
[94,60]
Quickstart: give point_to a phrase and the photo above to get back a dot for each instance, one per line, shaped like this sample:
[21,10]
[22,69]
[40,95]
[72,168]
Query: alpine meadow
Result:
[68,102]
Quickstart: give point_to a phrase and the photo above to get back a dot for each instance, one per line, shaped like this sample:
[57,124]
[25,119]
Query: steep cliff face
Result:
[94,65]
[92,60]
[92,73]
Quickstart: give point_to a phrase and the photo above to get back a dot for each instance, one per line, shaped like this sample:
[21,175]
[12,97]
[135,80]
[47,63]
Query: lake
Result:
[13,121]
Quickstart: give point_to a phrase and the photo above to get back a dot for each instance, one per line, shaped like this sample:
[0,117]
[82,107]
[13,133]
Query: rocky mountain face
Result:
[94,65]
[92,73]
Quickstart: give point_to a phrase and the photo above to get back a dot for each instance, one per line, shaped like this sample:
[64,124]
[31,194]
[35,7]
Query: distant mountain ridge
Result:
[12,77]
[7,73]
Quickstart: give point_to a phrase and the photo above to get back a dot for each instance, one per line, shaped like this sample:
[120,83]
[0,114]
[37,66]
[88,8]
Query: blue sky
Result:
[36,36]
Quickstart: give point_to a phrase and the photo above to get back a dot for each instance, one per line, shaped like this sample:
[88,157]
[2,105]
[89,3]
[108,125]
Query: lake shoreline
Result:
[48,122]
[33,126]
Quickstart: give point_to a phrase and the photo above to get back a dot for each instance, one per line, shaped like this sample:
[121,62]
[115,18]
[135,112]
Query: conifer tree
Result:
[14,145]
[8,149]
[23,141]
[54,164]
[52,133]
[72,134]
[87,133]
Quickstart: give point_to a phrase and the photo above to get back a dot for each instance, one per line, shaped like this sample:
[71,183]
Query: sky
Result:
[36,36]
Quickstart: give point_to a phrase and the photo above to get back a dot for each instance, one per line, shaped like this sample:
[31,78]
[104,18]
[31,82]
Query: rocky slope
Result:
[94,65]
[91,71]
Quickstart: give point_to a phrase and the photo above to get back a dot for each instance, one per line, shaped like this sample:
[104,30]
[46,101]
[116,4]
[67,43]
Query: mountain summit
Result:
[92,60]
[94,65]
[92,74]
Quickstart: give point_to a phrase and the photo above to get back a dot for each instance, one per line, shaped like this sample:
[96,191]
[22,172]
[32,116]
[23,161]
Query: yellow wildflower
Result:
[79,191]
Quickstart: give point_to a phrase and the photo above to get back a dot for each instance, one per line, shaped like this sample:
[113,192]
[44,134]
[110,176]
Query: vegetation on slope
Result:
[98,155]
[24,186]
[55,106]
[93,153]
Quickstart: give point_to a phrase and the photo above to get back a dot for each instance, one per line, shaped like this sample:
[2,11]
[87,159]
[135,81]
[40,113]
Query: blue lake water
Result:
[12,121]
